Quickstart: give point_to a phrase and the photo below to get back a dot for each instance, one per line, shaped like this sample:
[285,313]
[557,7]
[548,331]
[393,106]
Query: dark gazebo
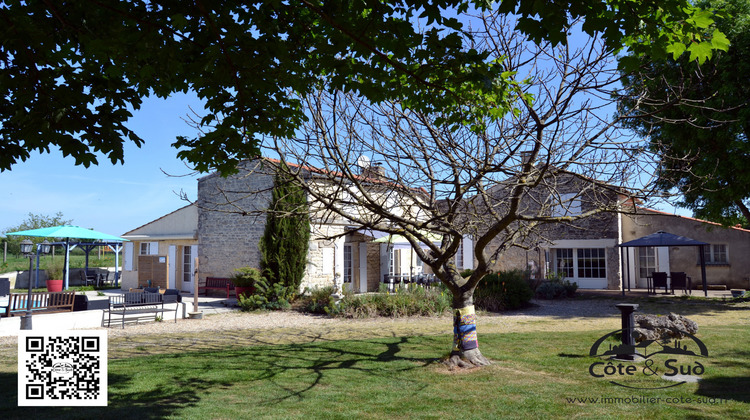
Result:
[660,239]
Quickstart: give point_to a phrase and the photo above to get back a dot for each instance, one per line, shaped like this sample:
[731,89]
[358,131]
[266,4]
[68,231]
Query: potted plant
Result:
[244,280]
[55,276]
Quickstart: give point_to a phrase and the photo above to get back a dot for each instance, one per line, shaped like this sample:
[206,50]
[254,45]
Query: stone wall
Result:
[544,200]
[231,219]
[315,277]
[735,274]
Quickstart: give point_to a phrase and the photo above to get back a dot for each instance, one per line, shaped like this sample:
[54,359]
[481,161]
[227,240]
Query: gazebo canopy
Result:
[68,231]
[662,238]
[75,232]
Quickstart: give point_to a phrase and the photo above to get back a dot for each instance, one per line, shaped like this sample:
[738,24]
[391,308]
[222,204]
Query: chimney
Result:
[374,171]
[526,157]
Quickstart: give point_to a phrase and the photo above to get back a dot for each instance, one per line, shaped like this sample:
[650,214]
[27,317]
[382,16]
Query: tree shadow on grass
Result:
[164,385]
[323,364]
[734,383]
[569,308]
[123,403]
[735,388]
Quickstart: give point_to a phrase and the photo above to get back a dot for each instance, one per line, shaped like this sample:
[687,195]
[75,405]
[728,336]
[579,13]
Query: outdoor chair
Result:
[103,278]
[660,280]
[680,280]
[88,279]
[4,286]
[173,292]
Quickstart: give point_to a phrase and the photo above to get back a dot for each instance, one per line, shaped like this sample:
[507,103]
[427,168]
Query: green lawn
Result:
[535,375]
[76,261]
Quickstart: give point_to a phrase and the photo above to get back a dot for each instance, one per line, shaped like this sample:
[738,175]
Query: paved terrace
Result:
[93,318]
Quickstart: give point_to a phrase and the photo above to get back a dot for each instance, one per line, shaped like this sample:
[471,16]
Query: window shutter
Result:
[127,257]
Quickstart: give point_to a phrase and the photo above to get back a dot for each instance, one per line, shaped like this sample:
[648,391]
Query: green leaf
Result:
[700,51]
[720,41]
[702,19]
[676,49]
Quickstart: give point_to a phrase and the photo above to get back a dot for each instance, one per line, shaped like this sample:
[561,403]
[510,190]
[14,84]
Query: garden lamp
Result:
[26,246]
[26,249]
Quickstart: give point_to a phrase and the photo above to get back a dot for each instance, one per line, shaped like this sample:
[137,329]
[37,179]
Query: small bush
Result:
[550,290]
[273,296]
[503,291]
[407,301]
[55,269]
[246,277]
[557,287]
[316,300]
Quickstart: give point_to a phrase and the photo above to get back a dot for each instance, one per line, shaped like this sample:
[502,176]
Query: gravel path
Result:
[542,315]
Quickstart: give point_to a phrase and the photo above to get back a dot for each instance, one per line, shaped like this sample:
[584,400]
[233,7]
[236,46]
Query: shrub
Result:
[407,301]
[246,277]
[55,269]
[550,290]
[503,291]
[268,296]
[557,287]
[316,300]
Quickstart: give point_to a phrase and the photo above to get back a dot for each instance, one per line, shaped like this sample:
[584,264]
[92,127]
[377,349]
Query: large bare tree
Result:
[548,142]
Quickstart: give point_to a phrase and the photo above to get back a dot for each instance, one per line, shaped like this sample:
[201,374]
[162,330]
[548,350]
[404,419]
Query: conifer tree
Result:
[285,241]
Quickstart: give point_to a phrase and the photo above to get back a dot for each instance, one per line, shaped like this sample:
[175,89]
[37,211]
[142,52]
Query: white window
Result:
[646,261]
[394,267]
[582,263]
[347,263]
[149,248]
[592,263]
[187,266]
[716,254]
[465,253]
[564,262]
[569,205]
[327,267]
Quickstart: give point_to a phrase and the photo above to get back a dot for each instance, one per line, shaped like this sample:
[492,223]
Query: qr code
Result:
[67,368]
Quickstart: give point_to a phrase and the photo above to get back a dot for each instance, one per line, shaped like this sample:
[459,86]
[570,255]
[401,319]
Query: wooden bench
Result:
[217,283]
[139,304]
[42,302]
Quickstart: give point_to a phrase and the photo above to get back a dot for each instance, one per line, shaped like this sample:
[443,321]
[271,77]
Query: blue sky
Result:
[113,198]
[110,198]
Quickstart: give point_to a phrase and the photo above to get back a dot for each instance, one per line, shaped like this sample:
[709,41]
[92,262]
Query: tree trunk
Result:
[465,353]
[744,210]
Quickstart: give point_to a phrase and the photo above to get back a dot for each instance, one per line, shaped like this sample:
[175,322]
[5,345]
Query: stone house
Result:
[172,240]
[727,265]
[231,222]
[585,251]
[224,226]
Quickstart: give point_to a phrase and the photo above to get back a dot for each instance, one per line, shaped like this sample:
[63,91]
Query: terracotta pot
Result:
[245,291]
[54,285]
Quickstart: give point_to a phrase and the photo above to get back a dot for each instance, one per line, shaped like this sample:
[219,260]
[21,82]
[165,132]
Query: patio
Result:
[93,318]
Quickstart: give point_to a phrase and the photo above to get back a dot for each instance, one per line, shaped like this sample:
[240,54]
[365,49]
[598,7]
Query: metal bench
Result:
[129,304]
